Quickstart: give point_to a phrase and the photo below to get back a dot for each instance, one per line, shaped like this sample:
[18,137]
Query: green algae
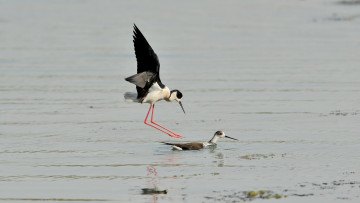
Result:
[247,196]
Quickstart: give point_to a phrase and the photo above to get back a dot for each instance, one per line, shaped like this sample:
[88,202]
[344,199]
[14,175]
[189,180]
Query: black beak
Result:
[182,106]
[231,138]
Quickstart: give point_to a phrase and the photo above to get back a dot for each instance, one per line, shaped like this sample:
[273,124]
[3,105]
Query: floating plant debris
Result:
[342,113]
[257,156]
[247,196]
[349,2]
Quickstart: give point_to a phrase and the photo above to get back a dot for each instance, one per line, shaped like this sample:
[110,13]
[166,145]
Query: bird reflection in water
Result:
[154,190]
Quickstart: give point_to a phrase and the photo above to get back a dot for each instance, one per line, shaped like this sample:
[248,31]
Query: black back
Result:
[187,146]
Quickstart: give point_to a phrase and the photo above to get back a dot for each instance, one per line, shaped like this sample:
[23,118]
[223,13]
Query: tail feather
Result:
[173,145]
[168,143]
[131,97]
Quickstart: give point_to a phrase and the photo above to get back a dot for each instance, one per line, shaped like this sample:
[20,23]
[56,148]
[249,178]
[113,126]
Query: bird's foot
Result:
[176,135]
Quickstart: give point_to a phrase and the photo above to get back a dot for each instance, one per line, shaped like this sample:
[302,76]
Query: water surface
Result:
[280,76]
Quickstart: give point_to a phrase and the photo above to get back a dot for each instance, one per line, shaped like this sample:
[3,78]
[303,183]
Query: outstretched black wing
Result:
[147,60]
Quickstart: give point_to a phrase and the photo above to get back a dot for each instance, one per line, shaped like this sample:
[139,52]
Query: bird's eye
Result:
[179,95]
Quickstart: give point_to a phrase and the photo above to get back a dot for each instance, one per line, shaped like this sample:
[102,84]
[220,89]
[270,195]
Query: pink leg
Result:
[152,121]
[145,121]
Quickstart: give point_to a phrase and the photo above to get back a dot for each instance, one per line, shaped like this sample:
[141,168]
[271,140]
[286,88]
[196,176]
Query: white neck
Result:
[172,97]
[214,139]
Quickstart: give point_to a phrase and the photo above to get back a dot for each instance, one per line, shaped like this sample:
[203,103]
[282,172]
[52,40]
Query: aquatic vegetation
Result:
[342,113]
[349,2]
[257,156]
[261,194]
[314,188]
[333,184]
[247,196]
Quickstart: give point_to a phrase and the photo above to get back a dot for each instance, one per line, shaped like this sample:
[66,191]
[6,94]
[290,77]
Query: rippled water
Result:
[280,76]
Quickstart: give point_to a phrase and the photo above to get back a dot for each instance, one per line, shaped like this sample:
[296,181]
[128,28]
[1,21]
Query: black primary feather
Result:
[148,62]
[147,59]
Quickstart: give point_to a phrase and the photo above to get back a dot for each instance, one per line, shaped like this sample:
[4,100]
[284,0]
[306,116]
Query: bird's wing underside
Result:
[141,79]
[147,59]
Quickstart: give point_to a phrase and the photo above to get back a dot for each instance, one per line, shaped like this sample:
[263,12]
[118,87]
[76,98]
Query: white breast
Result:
[156,94]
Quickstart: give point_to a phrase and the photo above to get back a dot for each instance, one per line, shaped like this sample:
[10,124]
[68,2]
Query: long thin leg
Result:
[145,121]
[152,121]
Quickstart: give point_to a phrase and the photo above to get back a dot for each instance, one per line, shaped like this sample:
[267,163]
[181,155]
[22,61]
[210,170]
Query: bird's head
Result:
[218,135]
[176,95]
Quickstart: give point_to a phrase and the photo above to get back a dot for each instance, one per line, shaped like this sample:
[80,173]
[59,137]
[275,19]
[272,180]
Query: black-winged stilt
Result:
[199,145]
[149,87]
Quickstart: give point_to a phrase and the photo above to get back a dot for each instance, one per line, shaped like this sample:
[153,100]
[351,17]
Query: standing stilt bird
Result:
[199,145]
[149,87]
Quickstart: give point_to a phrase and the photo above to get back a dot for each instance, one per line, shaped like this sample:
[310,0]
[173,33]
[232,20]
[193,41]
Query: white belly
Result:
[156,94]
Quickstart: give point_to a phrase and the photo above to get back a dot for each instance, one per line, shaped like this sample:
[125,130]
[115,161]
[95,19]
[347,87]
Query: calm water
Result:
[281,76]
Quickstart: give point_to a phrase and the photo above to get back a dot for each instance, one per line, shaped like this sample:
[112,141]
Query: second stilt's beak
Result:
[231,138]
[181,106]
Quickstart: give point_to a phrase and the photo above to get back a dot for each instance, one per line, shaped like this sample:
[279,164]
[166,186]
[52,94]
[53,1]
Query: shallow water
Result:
[280,76]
